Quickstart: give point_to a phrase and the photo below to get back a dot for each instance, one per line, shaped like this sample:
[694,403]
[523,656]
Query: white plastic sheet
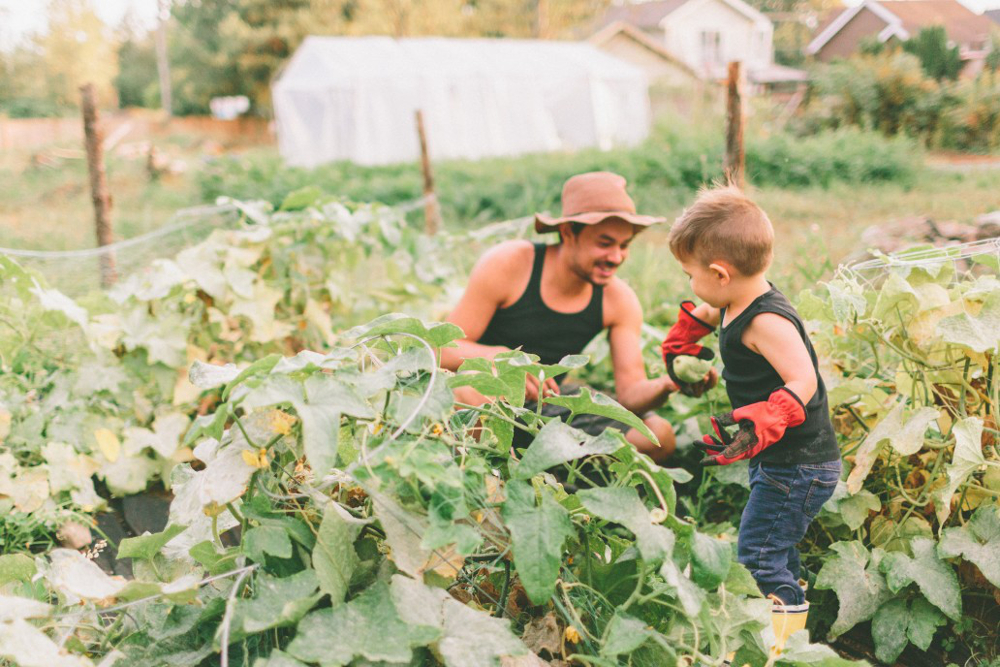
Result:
[354,98]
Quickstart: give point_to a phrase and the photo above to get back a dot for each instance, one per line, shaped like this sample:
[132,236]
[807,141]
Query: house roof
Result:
[649,15]
[905,18]
[609,32]
[961,23]
[993,14]
[643,15]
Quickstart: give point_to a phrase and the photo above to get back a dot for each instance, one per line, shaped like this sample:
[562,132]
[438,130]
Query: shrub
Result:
[889,92]
[662,172]
[848,155]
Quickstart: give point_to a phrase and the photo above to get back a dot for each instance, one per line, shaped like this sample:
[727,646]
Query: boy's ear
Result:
[722,272]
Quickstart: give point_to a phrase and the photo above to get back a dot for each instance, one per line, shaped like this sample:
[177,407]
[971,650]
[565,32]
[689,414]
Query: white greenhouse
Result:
[354,98]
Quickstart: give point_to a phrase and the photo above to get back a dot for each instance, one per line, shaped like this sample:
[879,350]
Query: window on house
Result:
[711,47]
[760,44]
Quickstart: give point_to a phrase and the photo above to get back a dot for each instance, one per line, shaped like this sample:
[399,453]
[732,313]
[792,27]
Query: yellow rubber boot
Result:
[787,619]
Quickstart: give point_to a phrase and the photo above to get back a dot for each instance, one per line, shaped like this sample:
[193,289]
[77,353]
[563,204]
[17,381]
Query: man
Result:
[552,300]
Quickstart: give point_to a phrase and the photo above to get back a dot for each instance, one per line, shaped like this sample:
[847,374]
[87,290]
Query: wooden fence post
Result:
[432,213]
[735,160]
[98,182]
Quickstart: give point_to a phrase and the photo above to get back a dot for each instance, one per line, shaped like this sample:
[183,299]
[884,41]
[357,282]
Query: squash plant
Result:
[338,510]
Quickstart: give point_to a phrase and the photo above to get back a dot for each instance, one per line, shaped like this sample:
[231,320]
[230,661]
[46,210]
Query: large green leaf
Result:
[558,443]
[587,402]
[977,542]
[334,556]
[798,652]
[149,545]
[277,603]
[404,533]
[889,630]
[272,540]
[853,510]
[968,457]
[16,567]
[492,379]
[904,433]
[980,333]
[710,560]
[319,403]
[210,376]
[27,646]
[473,638]
[538,533]
[923,622]
[278,658]
[681,587]
[859,585]
[366,627]
[937,580]
[622,505]
[624,635]
[436,334]
[899,621]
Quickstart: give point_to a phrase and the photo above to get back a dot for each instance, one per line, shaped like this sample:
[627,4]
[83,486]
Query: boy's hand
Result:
[682,339]
[760,426]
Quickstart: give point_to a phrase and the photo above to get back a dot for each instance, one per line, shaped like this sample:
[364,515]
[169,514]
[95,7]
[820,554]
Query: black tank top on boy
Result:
[751,379]
[535,328]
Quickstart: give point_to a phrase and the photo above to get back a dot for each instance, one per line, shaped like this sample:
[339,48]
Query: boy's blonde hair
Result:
[723,223]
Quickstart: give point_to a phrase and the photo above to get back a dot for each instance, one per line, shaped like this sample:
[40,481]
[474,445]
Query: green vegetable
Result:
[691,369]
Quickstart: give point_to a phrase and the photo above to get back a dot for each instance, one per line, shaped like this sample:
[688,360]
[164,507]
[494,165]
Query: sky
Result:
[20,19]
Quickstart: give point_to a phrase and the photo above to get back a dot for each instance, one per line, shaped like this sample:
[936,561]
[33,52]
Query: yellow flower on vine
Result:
[254,459]
[280,422]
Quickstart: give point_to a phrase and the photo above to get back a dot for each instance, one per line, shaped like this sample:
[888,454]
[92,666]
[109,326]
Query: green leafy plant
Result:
[914,358]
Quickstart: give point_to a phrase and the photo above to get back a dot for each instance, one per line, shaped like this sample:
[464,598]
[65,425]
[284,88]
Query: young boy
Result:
[724,244]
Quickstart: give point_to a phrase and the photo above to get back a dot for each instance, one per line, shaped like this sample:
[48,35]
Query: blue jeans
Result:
[784,499]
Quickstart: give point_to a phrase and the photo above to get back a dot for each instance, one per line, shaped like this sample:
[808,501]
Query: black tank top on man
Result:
[750,379]
[535,328]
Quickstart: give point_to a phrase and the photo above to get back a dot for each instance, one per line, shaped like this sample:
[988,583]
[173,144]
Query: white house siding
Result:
[657,68]
[742,38]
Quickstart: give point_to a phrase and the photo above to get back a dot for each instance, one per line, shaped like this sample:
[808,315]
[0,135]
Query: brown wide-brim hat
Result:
[592,198]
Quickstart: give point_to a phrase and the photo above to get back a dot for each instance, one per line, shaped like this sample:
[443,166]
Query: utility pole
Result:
[94,138]
[162,61]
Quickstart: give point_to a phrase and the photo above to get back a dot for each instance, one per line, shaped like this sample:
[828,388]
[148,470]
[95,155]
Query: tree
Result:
[78,48]
[135,82]
[938,57]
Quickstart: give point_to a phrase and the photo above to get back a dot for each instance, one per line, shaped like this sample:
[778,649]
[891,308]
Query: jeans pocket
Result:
[820,490]
[777,477]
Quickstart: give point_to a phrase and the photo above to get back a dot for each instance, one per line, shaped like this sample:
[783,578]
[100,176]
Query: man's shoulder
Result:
[513,250]
[620,302]
[508,256]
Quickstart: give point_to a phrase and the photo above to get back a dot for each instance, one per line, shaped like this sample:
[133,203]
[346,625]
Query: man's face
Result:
[596,252]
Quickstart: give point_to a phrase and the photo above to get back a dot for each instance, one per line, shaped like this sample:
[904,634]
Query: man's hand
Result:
[760,426]
[531,388]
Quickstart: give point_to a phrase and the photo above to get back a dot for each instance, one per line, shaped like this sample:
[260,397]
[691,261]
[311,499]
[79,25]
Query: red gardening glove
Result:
[682,339]
[760,426]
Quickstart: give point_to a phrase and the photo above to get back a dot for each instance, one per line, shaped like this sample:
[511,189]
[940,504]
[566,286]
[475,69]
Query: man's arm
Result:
[483,295]
[494,278]
[634,389]
[777,340]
